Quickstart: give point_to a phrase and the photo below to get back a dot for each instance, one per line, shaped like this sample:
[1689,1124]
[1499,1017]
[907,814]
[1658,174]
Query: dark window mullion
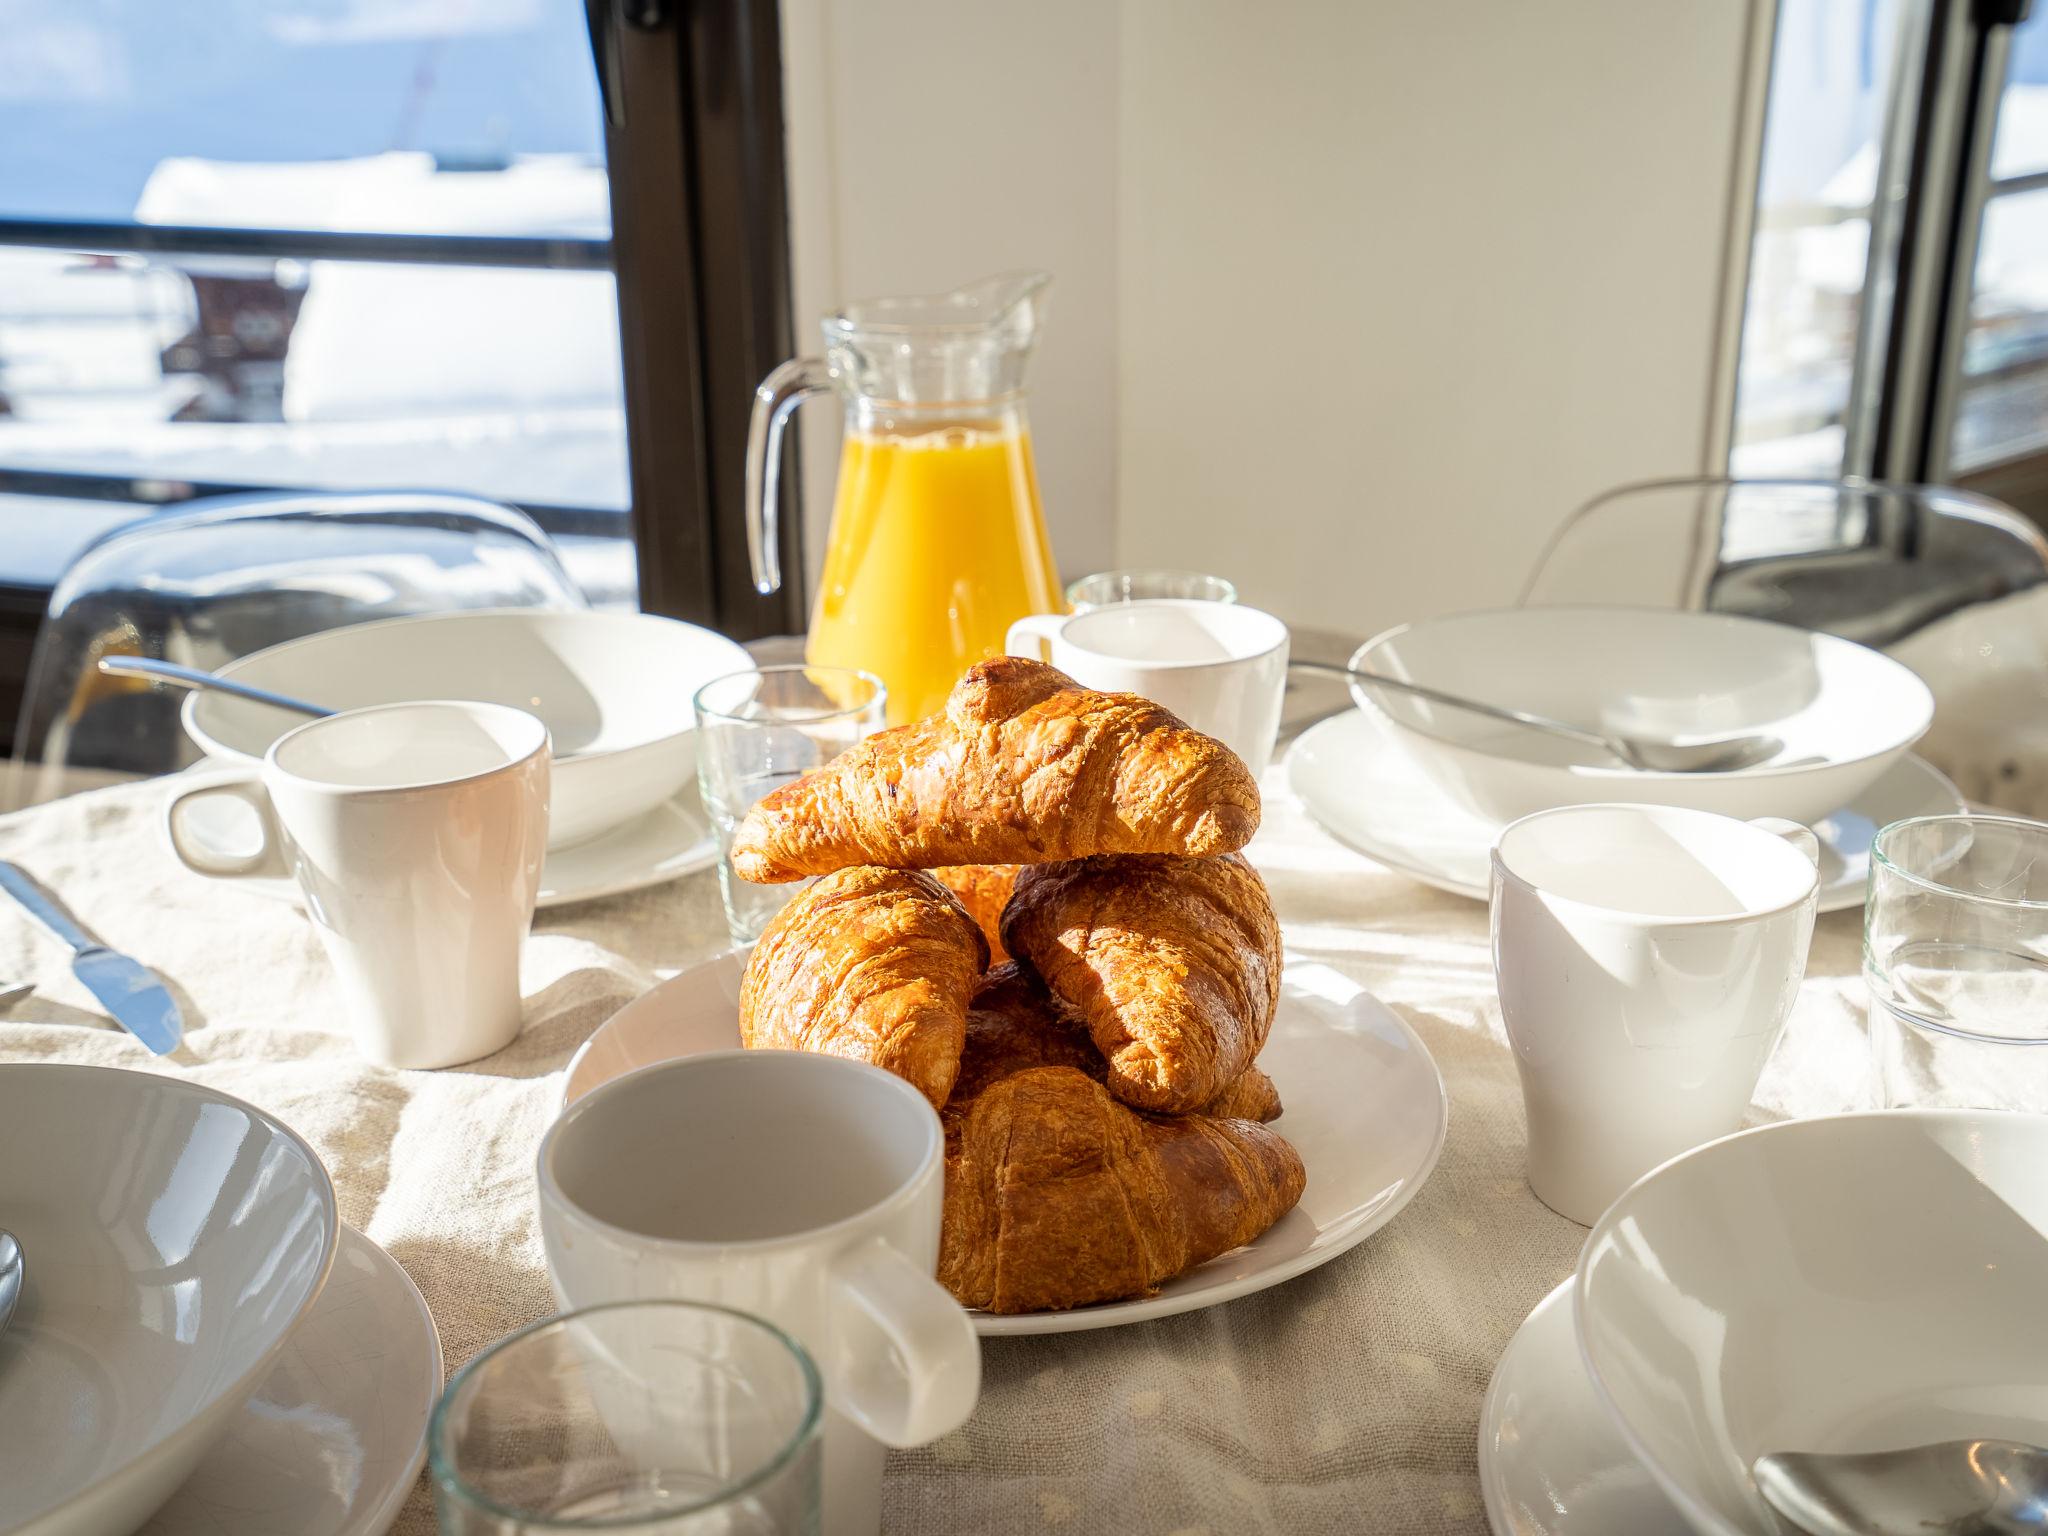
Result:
[659,339]
[307,244]
[700,240]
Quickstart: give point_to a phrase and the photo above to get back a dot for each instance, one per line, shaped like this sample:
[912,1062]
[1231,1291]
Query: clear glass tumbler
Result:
[656,1418]
[1106,587]
[1955,956]
[757,730]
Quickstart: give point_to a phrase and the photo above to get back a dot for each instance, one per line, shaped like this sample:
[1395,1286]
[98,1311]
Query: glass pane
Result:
[2002,410]
[2002,402]
[1830,70]
[327,375]
[414,116]
[2021,146]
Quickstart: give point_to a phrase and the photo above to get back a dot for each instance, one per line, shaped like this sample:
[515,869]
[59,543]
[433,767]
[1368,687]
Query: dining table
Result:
[1344,1400]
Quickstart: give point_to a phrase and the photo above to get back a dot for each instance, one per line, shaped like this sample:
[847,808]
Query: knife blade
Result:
[128,989]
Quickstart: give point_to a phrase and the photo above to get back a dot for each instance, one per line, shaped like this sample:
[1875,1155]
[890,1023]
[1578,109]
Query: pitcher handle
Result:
[778,395]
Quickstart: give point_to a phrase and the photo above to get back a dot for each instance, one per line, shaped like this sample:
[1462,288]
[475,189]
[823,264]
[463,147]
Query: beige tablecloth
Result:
[1344,1401]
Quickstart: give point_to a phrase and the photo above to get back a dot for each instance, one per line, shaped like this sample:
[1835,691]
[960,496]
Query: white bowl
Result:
[1856,1283]
[172,1238]
[613,689]
[1845,713]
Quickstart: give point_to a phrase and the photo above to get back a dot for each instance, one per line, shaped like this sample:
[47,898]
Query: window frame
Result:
[1945,114]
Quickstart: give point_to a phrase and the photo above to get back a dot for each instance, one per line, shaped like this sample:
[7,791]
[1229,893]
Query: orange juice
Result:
[937,547]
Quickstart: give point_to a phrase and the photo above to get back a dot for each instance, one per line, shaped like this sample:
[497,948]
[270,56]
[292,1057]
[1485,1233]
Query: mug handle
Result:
[1799,836]
[1032,636]
[267,862]
[875,1288]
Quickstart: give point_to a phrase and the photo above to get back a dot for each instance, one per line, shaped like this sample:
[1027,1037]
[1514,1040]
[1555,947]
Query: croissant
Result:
[875,964]
[1023,766]
[1058,1196]
[984,890]
[1172,963]
[1013,1025]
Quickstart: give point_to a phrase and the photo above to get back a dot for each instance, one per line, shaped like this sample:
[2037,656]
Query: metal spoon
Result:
[193,677]
[1957,1488]
[11,1271]
[1698,754]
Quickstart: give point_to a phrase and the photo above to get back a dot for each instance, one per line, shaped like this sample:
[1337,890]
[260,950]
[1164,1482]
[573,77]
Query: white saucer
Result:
[1550,1461]
[1358,785]
[670,841]
[1363,1104]
[334,1439]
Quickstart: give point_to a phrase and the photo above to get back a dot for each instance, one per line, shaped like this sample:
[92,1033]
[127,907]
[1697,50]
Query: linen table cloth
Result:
[1346,1400]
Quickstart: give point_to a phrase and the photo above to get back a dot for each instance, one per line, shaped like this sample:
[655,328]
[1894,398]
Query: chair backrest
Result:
[1868,560]
[219,579]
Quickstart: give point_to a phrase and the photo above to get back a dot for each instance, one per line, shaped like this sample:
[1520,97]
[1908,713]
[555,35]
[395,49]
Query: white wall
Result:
[932,142]
[1355,299]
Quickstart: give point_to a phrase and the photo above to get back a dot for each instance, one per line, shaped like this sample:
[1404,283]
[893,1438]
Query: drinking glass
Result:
[658,1418]
[1955,956]
[1106,587]
[756,731]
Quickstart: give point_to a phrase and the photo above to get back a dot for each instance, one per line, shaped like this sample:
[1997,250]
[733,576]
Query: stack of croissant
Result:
[1101,1106]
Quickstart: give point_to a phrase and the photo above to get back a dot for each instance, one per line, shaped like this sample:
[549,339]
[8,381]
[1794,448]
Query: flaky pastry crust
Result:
[1172,963]
[1024,766]
[875,964]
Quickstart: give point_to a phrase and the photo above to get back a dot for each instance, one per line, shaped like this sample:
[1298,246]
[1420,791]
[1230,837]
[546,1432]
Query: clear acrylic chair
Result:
[219,579]
[1953,584]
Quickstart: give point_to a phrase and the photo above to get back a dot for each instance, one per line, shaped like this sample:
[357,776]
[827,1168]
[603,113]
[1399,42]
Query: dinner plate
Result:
[333,1440]
[670,841]
[1362,1101]
[1359,785]
[1550,1461]
[173,1240]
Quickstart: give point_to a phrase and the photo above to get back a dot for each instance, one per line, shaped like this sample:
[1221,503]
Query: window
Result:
[308,244]
[2001,405]
[1896,318]
[529,249]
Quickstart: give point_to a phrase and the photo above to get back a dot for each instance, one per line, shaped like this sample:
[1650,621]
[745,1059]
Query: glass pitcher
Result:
[938,544]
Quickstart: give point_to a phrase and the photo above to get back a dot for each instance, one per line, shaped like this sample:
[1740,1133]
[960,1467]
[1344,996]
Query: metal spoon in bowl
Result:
[1959,1488]
[193,677]
[11,1271]
[1698,754]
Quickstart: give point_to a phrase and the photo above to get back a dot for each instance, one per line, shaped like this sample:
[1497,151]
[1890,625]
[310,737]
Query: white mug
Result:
[1647,959]
[1221,667]
[416,834]
[805,1189]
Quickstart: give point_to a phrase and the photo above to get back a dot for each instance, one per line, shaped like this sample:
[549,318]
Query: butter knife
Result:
[130,990]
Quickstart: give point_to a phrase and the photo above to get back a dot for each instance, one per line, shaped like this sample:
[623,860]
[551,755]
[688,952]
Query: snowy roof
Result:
[403,192]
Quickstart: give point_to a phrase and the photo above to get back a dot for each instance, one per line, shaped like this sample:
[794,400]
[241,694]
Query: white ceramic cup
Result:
[1647,958]
[416,834]
[805,1189]
[1221,667]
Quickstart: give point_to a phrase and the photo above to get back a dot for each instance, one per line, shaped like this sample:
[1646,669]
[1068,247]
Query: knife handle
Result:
[16,883]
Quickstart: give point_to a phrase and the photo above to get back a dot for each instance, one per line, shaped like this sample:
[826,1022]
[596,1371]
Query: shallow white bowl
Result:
[613,689]
[172,1238]
[1845,713]
[1855,1283]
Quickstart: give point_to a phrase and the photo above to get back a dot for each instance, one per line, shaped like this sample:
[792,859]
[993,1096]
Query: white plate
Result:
[670,841]
[613,689]
[333,1440]
[173,1239]
[1841,1284]
[1358,785]
[1363,1104]
[1550,1463]
[1839,713]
